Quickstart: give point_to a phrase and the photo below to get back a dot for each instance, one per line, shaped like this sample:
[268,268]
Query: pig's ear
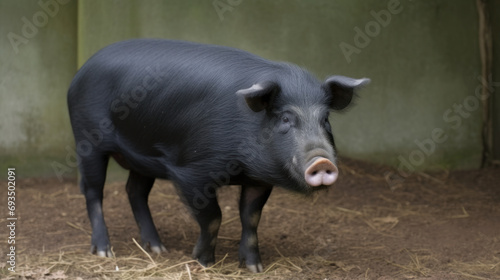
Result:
[260,95]
[342,89]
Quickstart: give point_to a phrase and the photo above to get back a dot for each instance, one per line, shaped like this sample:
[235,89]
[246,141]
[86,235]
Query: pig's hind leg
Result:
[138,188]
[93,172]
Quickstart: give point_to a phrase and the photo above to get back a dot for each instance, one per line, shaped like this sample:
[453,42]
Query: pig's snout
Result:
[321,172]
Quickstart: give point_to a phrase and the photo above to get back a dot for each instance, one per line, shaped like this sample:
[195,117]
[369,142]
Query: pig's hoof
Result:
[158,249]
[206,260]
[205,255]
[255,268]
[251,259]
[206,264]
[101,252]
[155,247]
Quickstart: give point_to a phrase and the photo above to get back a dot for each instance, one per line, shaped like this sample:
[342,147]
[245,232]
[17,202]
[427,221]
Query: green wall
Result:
[494,10]
[37,62]
[423,62]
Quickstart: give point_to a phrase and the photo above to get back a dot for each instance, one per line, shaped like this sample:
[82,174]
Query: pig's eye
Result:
[327,125]
[286,123]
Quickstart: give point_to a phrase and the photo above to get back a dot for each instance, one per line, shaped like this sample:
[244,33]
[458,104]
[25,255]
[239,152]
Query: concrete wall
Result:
[37,62]
[422,56]
[495,21]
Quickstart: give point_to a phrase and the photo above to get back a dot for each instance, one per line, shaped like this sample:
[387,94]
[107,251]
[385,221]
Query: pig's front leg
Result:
[252,201]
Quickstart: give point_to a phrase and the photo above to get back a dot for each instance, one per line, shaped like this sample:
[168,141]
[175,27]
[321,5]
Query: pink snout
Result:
[321,172]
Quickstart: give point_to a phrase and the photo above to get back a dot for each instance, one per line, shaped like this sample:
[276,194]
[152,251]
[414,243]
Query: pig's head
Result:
[299,150]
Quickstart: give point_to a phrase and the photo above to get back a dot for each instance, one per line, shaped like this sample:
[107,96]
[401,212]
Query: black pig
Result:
[202,116]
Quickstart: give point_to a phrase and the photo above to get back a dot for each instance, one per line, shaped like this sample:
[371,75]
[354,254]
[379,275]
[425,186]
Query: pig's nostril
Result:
[321,172]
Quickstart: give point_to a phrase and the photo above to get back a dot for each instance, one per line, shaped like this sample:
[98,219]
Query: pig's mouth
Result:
[320,173]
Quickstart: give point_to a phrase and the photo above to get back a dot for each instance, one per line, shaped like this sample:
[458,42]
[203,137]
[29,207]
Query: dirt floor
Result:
[427,226]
